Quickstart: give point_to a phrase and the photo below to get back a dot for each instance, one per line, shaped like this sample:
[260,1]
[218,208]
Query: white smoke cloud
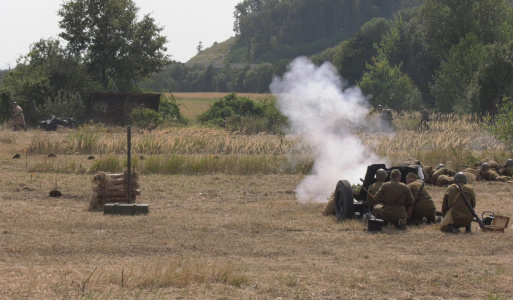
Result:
[324,115]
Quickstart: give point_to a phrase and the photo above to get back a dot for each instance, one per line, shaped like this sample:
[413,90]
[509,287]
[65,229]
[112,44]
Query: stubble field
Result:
[218,235]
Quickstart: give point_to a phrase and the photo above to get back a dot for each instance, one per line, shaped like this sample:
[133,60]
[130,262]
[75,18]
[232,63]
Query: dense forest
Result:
[448,55]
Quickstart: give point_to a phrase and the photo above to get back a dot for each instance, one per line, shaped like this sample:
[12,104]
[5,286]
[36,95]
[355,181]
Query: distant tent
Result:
[115,108]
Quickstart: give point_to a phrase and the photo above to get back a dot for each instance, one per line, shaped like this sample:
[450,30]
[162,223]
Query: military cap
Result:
[395,173]
[412,175]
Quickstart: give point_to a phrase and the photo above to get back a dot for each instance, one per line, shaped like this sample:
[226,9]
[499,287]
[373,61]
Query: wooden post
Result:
[129,162]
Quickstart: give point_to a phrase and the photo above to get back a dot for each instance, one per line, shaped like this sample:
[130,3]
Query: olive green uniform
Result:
[425,207]
[442,177]
[373,190]
[393,197]
[454,210]
[508,171]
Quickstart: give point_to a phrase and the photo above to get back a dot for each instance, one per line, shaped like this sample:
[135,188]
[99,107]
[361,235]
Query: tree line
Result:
[448,55]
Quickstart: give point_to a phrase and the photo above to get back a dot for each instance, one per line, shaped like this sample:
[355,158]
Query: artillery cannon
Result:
[52,123]
[349,205]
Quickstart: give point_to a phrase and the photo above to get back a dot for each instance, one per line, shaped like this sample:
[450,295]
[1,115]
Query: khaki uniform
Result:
[454,210]
[17,116]
[492,175]
[425,207]
[373,189]
[386,119]
[508,171]
[393,197]
[424,119]
[442,177]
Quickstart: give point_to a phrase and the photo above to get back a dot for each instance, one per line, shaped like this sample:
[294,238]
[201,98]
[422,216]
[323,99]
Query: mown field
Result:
[225,223]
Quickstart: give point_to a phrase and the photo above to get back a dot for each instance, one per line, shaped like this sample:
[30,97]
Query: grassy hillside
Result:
[214,54]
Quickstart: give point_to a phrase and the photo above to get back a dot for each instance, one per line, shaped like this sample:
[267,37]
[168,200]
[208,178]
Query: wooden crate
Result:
[499,223]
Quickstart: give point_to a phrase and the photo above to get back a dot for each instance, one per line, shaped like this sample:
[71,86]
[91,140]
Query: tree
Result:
[387,85]
[454,82]
[501,125]
[352,55]
[40,76]
[199,48]
[117,50]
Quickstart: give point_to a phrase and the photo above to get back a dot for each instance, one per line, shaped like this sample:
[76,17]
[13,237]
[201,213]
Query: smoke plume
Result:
[325,114]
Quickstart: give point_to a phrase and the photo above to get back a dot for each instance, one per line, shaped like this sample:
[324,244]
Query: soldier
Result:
[489,174]
[424,119]
[455,211]
[17,117]
[386,119]
[442,176]
[425,206]
[392,199]
[508,169]
[381,176]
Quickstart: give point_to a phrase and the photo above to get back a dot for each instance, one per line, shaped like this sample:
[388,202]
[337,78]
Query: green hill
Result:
[215,54]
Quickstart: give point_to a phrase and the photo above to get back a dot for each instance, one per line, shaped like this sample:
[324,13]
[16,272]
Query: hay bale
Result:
[113,188]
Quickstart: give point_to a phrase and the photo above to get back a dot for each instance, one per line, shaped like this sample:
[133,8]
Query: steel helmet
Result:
[460,177]
[440,166]
[485,167]
[381,175]
[509,162]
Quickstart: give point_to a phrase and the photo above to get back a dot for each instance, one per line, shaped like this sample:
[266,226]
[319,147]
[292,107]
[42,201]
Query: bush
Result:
[170,110]
[65,104]
[146,118]
[242,114]
[501,125]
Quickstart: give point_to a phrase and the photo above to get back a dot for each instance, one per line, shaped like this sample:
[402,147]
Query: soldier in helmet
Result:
[386,120]
[381,176]
[392,199]
[17,117]
[424,207]
[424,119]
[508,169]
[489,174]
[455,211]
[442,176]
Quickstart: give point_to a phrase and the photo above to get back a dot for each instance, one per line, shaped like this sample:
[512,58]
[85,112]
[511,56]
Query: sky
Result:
[185,22]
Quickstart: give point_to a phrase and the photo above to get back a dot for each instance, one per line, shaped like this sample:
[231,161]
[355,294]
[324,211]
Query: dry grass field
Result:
[227,236]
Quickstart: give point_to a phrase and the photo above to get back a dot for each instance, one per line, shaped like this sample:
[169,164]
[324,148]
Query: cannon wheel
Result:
[344,202]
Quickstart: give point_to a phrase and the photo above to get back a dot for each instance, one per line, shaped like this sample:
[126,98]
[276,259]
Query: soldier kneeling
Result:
[455,211]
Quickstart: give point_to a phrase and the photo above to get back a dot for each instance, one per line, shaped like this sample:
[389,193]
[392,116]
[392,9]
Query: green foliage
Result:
[272,30]
[351,56]
[109,164]
[170,110]
[453,84]
[146,118]
[495,76]
[387,85]
[65,104]
[242,114]
[39,76]
[117,49]
[501,125]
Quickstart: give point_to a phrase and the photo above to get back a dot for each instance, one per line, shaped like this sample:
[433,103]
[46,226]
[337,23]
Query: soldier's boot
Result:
[23,126]
[401,224]
[453,229]
[468,229]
